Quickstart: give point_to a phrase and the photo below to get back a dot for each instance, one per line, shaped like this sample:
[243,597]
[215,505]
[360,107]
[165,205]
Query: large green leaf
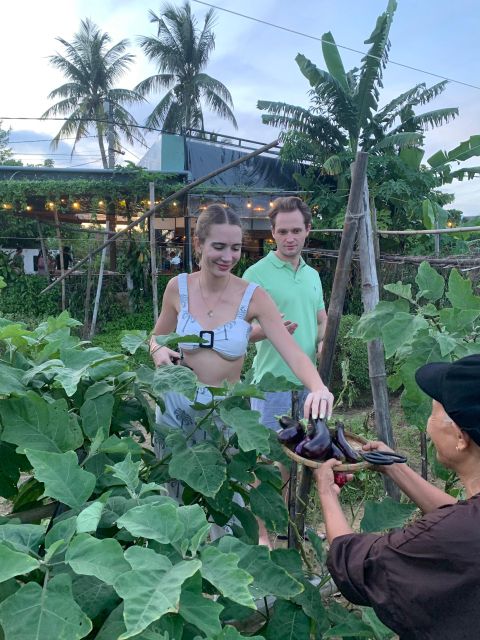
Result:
[460,292]
[201,466]
[400,331]
[387,514]
[158,522]
[64,480]
[88,518]
[32,422]
[381,632]
[312,605]
[252,435]
[131,341]
[127,472]
[458,321]
[288,621]
[50,612]
[100,558]
[23,537]
[96,415]
[400,290]
[93,595]
[269,506]
[145,559]
[269,578]
[195,526]
[200,611]
[431,284]
[221,570]
[371,324]
[148,595]
[10,380]
[15,563]
[333,60]
[174,378]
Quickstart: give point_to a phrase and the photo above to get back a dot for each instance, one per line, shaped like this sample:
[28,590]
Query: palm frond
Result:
[366,96]
[399,141]
[428,119]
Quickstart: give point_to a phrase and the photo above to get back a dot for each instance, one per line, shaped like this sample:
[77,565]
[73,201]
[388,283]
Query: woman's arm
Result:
[320,400]
[166,323]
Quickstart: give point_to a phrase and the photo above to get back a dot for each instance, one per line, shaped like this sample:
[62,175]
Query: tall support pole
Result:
[111,206]
[376,355]
[335,308]
[99,287]
[62,264]
[292,483]
[44,249]
[153,256]
[88,295]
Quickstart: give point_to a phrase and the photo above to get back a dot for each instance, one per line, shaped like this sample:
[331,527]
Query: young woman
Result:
[220,306]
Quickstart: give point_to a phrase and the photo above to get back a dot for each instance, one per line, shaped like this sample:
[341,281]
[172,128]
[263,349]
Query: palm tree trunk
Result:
[102,148]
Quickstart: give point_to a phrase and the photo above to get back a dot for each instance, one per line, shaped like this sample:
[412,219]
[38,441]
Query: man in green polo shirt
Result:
[297,291]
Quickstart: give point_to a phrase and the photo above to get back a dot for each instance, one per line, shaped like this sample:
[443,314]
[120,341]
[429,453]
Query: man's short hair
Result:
[286,204]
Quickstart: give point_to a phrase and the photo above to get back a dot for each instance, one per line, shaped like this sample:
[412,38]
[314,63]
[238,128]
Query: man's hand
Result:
[329,482]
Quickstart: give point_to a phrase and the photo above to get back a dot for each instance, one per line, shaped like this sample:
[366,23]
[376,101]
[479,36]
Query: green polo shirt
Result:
[298,294]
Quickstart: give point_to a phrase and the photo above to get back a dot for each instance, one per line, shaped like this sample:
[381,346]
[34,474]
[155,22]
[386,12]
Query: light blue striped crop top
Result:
[229,340]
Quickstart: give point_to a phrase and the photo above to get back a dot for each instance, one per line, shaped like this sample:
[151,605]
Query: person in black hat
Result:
[423,581]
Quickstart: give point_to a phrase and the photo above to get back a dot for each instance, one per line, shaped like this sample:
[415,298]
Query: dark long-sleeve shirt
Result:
[423,582]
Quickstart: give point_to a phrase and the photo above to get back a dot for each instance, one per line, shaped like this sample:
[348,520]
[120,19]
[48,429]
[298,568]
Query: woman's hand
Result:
[329,482]
[163,355]
[319,404]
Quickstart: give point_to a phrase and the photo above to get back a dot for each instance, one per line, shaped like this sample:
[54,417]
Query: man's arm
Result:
[322,327]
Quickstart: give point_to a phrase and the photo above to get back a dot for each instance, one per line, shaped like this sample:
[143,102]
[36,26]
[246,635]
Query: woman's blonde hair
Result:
[215,214]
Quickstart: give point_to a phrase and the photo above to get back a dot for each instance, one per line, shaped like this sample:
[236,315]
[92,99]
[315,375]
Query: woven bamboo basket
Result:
[354,440]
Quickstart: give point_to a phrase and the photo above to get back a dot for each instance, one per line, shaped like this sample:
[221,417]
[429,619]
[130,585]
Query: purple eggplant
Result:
[337,452]
[319,446]
[291,435]
[286,421]
[342,443]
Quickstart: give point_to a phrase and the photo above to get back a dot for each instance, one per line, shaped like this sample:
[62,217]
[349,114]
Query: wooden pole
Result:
[88,295]
[62,264]
[335,308]
[44,249]
[153,256]
[99,286]
[292,483]
[376,355]
[157,208]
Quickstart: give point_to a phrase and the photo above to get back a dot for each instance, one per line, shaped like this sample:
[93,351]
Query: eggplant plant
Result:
[91,544]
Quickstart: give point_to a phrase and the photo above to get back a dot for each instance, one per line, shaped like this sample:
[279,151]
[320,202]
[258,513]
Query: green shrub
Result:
[350,365]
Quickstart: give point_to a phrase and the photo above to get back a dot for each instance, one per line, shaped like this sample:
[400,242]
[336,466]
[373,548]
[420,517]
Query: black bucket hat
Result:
[456,385]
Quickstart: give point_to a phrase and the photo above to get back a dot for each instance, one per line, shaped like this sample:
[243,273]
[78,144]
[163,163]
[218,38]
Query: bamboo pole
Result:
[88,294]
[376,354]
[153,256]
[335,309]
[62,264]
[157,208]
[292,482]
[99,285]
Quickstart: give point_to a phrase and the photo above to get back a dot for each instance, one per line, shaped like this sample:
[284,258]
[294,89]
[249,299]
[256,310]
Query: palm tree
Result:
[181,53]
[92,67]
[344,114]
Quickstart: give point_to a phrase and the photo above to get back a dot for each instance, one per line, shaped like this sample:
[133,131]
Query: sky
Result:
[254,60]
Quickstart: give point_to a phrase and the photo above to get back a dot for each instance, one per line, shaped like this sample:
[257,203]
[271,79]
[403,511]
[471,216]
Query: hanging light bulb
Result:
[249,204]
